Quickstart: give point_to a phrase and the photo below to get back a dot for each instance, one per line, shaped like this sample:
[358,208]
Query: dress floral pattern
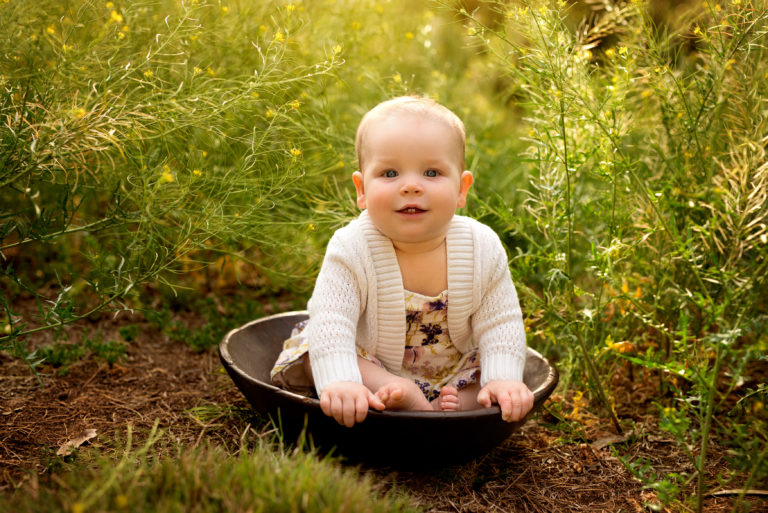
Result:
[430,358]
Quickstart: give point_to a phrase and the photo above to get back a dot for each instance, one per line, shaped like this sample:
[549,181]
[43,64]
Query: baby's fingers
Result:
[361,407]
[484,398]
[325,404]
[509,407]
[348,411]
[374,401]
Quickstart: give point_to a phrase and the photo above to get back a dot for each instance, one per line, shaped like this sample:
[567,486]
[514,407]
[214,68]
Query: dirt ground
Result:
[533,471]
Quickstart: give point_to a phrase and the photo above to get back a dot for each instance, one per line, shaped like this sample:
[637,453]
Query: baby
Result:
[414,307]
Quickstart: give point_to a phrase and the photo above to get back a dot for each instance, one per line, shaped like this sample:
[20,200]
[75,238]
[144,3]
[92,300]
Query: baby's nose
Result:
[411,187]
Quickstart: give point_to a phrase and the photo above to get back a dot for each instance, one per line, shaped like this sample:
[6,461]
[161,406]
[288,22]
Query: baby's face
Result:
[412,178]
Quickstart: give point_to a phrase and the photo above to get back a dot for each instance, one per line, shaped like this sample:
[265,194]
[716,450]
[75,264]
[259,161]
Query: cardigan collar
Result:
[390,294]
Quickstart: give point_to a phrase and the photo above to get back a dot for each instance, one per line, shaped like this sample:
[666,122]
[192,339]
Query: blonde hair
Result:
[415,105]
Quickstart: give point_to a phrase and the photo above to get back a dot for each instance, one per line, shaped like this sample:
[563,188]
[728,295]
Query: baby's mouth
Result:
[411,210]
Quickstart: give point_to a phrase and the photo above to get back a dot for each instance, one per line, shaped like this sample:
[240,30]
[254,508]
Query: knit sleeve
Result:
[498,323]
[334,310]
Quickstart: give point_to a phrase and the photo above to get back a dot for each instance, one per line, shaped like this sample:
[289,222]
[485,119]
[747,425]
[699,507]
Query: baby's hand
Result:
[513,397]
[348,402]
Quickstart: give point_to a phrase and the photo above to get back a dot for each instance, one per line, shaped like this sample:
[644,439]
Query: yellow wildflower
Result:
[210,72]
[397,78]
[341,164]
[197,172]
[290,8]
[295,104]
[121,501]
[262,29]
[78,507]
[270,113]
[121,35]
[116,17]
[255,94]
[757,407]
[193,37]
[522,11]
[224,9]
[646,93]
[610,52]
[697,31]
[295,152]
[79,112]
[409,35]
[51,29]
[167,176]
[736,2]
[148,74]
[337,49]
[471,31]
[311,226]
[379,9]
[197,70]
[623,50]
[109,5]
[66,47]
[279,37]
[718,8]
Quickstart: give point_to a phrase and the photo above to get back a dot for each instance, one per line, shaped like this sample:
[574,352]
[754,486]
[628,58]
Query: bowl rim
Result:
[542,390]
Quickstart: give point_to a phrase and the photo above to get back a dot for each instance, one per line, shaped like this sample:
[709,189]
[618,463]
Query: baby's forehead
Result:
[399,116]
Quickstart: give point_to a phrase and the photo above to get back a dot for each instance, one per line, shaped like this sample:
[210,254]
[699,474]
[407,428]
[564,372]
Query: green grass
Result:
[206,479]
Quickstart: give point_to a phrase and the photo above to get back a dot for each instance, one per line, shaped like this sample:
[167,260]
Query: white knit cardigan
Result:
[359,299]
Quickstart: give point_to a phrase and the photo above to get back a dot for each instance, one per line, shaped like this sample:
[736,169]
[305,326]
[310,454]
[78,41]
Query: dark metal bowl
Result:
[411,439]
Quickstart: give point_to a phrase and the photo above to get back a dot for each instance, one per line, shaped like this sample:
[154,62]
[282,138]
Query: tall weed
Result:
[645,222]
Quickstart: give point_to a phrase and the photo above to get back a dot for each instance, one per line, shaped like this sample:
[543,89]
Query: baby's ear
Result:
[357,178]
[465,182]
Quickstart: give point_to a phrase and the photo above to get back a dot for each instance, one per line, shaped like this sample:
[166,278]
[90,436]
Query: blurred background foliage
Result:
[204,148]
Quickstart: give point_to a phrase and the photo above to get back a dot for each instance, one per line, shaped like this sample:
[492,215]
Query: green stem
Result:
[56,234]
[700,467]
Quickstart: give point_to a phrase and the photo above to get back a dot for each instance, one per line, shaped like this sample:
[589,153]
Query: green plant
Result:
[644,226]
[139,139]
[111,351]
[263,478]
[61,355]
[129,332]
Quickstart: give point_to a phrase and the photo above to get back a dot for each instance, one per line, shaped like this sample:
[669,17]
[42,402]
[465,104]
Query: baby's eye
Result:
[431,173]
[390,173]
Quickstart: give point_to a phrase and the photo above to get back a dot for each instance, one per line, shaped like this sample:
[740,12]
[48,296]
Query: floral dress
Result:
[430,359]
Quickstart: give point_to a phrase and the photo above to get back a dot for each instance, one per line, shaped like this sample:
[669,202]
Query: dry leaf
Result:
[69,447]
[608,440]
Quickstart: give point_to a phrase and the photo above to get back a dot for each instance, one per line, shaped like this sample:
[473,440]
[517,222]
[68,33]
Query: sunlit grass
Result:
[263,478]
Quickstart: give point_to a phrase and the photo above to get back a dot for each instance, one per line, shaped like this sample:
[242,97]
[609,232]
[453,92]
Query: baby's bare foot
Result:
[400,396]
[449,399]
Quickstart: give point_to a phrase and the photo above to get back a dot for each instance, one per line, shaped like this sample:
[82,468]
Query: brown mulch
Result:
[534,471]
